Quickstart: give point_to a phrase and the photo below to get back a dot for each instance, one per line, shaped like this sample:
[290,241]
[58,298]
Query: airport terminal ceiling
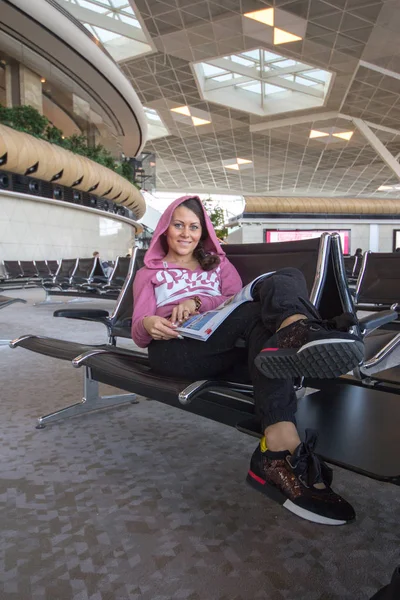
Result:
[291,97]
[283,98]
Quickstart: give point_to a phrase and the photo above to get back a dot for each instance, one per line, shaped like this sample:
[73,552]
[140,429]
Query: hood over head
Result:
[158,246]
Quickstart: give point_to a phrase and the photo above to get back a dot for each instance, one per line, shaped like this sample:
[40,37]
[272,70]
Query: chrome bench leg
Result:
[48,300]
[90,402]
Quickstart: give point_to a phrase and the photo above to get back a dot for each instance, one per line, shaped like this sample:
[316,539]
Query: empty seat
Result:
[29,268]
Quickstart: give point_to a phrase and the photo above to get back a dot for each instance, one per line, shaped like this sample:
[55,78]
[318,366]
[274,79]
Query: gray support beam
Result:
[86,15]
[377,145]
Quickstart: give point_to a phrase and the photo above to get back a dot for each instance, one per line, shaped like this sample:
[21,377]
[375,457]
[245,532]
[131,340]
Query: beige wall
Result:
[362,233]
[30,88]
[36,230]
[59,117]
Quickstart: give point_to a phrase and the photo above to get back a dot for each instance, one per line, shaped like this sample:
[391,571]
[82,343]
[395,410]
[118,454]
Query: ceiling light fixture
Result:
[196,121]
[344,135]
[42,80]
[388,188]
[314,133]
[182,110]
[265,15]
[284,37]
[235,164]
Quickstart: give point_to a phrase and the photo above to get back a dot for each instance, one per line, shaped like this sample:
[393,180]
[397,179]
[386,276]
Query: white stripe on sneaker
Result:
[325,342]
[310,516]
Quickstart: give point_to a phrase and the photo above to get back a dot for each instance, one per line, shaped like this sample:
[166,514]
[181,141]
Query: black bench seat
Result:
[227,400]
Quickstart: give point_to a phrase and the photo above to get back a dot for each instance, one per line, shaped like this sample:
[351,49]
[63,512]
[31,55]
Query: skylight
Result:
[113,23]
[156,127]
[262,82]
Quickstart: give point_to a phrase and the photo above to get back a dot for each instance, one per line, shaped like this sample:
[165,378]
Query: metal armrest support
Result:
[370,366]
[80,361]
[376,320]
[198,387]
[17,342]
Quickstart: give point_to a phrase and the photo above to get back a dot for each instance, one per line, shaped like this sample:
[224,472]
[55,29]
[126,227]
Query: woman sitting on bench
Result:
[186,271]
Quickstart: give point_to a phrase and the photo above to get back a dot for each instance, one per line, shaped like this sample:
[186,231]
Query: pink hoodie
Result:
[159,286]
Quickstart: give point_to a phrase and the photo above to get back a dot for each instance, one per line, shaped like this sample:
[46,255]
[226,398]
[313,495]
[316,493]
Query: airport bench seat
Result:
[222,399]
[378,284]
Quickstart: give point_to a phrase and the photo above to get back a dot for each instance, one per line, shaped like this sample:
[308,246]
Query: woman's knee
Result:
[291,272]
[285,276]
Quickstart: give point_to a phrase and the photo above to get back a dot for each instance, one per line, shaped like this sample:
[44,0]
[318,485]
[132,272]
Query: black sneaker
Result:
[312,348]
[290,480]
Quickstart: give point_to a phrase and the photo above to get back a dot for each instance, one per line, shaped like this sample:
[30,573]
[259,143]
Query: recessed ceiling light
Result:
[43,80]
[265,15]
[314,133]
[196,121]
[284,37]
[182,110]
[344,135]
[387,188]
[235,164]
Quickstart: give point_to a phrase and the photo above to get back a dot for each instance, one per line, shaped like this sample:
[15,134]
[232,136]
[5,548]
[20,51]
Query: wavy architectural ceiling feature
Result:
[325,206]
[48,40]
[24,154]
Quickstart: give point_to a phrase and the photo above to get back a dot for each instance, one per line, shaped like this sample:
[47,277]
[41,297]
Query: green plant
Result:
[24,118]
[217,218]
[29,120]
[54,135]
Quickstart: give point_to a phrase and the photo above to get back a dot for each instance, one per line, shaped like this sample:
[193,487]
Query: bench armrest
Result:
[140,357]
[376,320]
[88,314]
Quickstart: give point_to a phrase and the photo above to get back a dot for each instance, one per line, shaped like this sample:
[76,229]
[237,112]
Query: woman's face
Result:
[184,231]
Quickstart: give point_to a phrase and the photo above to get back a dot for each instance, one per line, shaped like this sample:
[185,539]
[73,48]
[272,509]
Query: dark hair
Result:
[206,261]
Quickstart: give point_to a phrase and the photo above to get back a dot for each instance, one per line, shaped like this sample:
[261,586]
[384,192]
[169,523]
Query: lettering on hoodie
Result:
[173,285]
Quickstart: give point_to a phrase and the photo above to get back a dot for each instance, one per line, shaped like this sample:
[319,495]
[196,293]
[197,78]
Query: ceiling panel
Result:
[353,39]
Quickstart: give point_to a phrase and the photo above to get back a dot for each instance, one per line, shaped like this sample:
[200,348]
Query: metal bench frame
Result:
[224,401]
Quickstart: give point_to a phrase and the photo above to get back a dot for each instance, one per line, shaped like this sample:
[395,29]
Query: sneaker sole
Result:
[274,494]
[326,359]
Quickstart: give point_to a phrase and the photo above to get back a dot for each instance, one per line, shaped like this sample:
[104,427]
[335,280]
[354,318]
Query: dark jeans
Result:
[277,297]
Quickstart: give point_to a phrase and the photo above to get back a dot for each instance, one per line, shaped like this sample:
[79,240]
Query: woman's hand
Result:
[183,311]
[160,328]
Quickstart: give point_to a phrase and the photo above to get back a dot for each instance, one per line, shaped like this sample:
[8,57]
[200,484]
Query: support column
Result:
[30,88]
[13,88]
[374,238]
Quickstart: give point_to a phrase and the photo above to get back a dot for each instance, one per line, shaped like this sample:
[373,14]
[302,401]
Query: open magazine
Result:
[200,327]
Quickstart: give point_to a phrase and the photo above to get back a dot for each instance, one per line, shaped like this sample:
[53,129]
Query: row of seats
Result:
[71,277]
[376,280]
[352,266]
[229,399]
[85,277]
[20,272]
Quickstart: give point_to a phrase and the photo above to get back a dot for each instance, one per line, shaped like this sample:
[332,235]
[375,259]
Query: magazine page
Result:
[201,326]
